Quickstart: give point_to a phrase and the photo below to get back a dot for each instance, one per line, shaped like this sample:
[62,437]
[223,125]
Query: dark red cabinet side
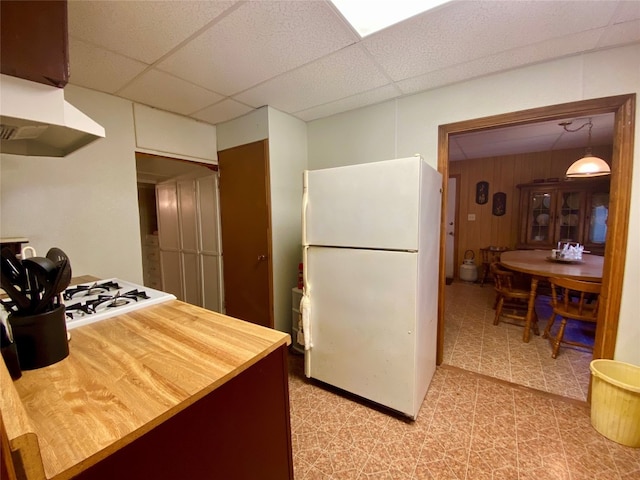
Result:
[240,431]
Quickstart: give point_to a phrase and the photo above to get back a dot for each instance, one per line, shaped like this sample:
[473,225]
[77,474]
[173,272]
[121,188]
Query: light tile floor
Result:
[471,426]
[473,343]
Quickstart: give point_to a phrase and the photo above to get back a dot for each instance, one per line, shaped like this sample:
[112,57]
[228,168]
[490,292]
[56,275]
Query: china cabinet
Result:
[569,211]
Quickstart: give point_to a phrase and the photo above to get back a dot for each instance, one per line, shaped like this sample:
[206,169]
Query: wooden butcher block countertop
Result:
[124,376]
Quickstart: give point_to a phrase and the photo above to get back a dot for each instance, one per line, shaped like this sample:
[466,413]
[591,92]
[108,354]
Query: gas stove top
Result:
[94,301]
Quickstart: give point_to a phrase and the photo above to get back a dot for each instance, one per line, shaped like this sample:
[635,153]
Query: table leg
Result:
[485,273]
[531,310]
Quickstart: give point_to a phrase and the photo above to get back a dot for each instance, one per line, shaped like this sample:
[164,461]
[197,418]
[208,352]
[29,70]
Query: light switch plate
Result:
[471,217]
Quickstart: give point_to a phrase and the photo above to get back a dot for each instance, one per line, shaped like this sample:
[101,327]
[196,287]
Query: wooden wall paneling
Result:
[503,174]
[485,220]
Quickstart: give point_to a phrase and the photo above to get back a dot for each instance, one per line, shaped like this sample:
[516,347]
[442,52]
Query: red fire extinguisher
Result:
[300,277]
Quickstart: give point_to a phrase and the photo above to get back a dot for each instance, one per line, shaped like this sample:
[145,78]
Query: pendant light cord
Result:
[565,124]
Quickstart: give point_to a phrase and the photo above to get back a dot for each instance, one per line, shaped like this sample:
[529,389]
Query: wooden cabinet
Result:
[571,211]
[173,392]
[34,41]
[167,134]
[239,431]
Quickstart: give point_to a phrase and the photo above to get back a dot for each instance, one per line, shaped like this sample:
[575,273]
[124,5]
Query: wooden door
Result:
[246,232]
[452,201]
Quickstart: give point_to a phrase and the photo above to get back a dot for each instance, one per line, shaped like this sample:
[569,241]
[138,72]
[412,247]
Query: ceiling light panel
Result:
[367,16]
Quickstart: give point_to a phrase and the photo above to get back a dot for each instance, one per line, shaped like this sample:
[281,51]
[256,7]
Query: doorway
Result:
[152,170]
[623,107]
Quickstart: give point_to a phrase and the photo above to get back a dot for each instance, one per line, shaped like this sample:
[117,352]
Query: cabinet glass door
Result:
[598,218]
[569,216]
[540,217]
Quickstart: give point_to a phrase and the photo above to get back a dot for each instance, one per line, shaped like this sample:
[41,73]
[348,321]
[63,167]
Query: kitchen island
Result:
[167,391]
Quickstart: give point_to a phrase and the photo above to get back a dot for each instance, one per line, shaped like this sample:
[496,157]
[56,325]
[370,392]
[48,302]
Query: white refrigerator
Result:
[371,257]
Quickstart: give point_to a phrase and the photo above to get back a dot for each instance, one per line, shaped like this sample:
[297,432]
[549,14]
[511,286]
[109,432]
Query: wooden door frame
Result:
[624,108]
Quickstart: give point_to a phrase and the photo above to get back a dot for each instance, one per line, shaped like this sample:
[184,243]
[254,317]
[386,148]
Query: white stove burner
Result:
[118,303]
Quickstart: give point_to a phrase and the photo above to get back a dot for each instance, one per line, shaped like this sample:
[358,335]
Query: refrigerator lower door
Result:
[363,323]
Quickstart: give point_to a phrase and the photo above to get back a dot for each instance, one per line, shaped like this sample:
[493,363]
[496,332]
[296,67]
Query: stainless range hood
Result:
[37,121]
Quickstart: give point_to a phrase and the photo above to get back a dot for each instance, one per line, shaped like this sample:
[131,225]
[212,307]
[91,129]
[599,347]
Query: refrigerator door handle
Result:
[305,201]
[305,310]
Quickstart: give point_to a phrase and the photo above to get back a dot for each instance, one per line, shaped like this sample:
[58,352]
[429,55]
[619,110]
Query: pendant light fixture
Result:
[589,165]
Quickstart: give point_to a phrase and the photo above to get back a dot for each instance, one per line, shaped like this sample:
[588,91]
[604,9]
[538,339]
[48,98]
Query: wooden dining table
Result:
[540,266]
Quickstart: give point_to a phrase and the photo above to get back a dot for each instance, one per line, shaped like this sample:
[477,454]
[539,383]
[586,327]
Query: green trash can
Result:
[615,401]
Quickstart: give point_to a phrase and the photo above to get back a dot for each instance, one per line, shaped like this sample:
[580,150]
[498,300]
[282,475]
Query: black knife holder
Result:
[41,339]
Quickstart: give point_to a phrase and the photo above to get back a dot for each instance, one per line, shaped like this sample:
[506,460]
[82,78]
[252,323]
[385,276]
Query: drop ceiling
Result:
[216,60]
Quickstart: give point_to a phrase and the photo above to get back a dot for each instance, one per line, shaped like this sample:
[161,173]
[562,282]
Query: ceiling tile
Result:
[479,146]
[626,11]
[301,57]
[100,69]
[536,137]
[463,31]
[257,41]
[620,33]
[161,90]
[145,30]
[221,112]
[455,152]
[342,74]
[505,60]
[355,101]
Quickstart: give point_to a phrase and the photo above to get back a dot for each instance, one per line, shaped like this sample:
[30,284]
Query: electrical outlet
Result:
[471,217]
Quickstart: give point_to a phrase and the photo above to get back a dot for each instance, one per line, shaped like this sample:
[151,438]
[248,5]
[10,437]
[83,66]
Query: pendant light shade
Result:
[589,165]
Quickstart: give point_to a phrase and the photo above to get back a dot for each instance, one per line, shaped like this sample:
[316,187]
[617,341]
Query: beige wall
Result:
[503,174]
[287,160]
[85,203]
[409,125]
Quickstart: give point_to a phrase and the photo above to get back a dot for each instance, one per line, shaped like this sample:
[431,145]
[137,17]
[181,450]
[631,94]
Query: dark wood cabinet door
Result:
[33,41]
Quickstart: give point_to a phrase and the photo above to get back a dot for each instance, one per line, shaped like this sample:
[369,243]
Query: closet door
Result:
[189,232]
[210,258]
[169,239]
[189,249]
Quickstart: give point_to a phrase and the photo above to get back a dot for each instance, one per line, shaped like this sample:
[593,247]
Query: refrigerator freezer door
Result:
[373,205]
[363,323]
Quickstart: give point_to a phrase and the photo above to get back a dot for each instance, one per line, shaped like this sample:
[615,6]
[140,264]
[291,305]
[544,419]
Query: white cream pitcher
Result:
[27,252]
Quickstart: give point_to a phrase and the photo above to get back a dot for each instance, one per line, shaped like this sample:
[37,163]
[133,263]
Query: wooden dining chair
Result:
[571,300]
[489,255]
[512,300]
